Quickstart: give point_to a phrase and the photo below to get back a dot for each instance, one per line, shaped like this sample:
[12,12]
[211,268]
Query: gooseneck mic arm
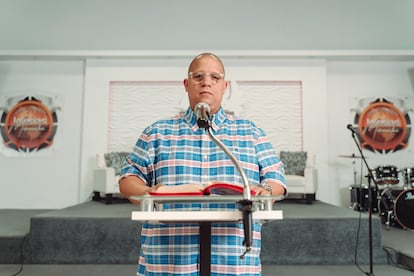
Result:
[202,111]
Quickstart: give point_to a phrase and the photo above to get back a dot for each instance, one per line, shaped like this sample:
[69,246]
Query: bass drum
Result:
[404,209]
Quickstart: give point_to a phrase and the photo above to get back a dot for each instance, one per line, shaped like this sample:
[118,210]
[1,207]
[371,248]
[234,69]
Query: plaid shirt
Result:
[176,151]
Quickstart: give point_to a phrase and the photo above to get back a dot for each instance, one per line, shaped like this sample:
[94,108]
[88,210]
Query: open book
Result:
[215,188]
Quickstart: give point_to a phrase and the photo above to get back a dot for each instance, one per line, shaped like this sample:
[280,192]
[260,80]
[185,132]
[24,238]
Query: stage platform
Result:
[95,233]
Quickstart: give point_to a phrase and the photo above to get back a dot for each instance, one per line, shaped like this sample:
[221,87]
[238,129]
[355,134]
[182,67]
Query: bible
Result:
[214,188]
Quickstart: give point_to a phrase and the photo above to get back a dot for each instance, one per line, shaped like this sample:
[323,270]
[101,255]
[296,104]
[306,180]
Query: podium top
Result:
[204,216]
[154,206]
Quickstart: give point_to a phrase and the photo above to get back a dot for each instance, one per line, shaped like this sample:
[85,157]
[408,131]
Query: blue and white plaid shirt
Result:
[176,151]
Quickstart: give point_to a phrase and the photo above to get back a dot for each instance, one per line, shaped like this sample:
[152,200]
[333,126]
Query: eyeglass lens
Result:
[201,76]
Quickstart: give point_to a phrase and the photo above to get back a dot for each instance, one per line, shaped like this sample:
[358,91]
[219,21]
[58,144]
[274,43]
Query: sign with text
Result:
[383,124]
[28,123]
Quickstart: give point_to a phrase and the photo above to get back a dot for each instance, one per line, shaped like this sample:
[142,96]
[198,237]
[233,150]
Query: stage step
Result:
[14,234]
[106,235]
[95,233]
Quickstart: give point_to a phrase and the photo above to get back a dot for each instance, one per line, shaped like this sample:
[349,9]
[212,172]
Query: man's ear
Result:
[226,85]
[185,82]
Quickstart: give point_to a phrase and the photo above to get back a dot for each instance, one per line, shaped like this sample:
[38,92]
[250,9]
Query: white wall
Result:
[45,181]
[216,24]
[64,177]
[346,81]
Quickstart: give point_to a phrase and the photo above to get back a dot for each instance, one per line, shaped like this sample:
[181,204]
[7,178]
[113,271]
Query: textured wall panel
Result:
[135,105]
[274,106]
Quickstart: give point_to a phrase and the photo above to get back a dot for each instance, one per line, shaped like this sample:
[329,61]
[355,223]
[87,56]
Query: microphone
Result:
[202,112]
[349,126]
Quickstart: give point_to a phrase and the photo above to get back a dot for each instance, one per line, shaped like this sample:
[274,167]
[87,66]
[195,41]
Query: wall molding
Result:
[403,55]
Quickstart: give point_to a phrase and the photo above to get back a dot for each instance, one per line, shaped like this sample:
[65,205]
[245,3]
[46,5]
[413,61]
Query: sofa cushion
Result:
[294,162]
[295,181]
[115,160]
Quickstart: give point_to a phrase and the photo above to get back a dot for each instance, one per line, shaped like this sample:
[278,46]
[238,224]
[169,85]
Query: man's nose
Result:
[207,79]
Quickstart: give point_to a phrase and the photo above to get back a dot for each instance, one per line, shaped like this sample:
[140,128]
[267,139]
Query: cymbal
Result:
[350,156]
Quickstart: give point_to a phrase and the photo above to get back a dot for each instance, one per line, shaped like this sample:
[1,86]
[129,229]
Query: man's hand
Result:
[260,191]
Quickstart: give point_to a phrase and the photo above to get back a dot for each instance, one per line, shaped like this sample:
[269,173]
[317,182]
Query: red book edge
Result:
[178,194]
[207,191]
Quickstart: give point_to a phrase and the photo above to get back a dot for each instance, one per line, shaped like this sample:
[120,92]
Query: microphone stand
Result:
[370,177]
[246,203]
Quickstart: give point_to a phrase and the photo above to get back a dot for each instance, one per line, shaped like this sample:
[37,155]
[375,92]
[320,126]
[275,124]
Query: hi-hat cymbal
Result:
[350,156]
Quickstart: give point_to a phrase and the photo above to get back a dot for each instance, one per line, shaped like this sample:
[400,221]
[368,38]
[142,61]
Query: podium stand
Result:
[152,211]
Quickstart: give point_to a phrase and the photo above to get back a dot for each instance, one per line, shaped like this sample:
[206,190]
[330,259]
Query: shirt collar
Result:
[217,119]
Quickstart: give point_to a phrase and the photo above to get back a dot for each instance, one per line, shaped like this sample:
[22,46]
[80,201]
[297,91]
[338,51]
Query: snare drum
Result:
[360,200]
[408,177]
[386,175]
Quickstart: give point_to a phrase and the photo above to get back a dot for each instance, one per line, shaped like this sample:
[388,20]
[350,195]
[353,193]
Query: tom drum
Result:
[386,175]
[360,199]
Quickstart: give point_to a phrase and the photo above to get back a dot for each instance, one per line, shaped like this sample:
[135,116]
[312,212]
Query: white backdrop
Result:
[311,74]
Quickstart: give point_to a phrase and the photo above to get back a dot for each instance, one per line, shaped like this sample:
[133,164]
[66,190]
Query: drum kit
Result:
[393,202]
[396,203]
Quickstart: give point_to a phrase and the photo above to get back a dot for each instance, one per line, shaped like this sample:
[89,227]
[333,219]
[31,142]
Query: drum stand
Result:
[353,168]
[388,212]
[370,178]
[388,221]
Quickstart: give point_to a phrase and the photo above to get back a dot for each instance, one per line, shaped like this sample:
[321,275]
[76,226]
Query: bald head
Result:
[200,56]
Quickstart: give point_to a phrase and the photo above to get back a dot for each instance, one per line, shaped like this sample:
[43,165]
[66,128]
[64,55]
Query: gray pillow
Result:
[115,160]
[294,161]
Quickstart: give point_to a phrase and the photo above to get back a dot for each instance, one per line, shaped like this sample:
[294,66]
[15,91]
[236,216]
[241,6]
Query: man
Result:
[176,152]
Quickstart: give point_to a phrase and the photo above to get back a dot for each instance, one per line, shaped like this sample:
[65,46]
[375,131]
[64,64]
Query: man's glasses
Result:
[198,77]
